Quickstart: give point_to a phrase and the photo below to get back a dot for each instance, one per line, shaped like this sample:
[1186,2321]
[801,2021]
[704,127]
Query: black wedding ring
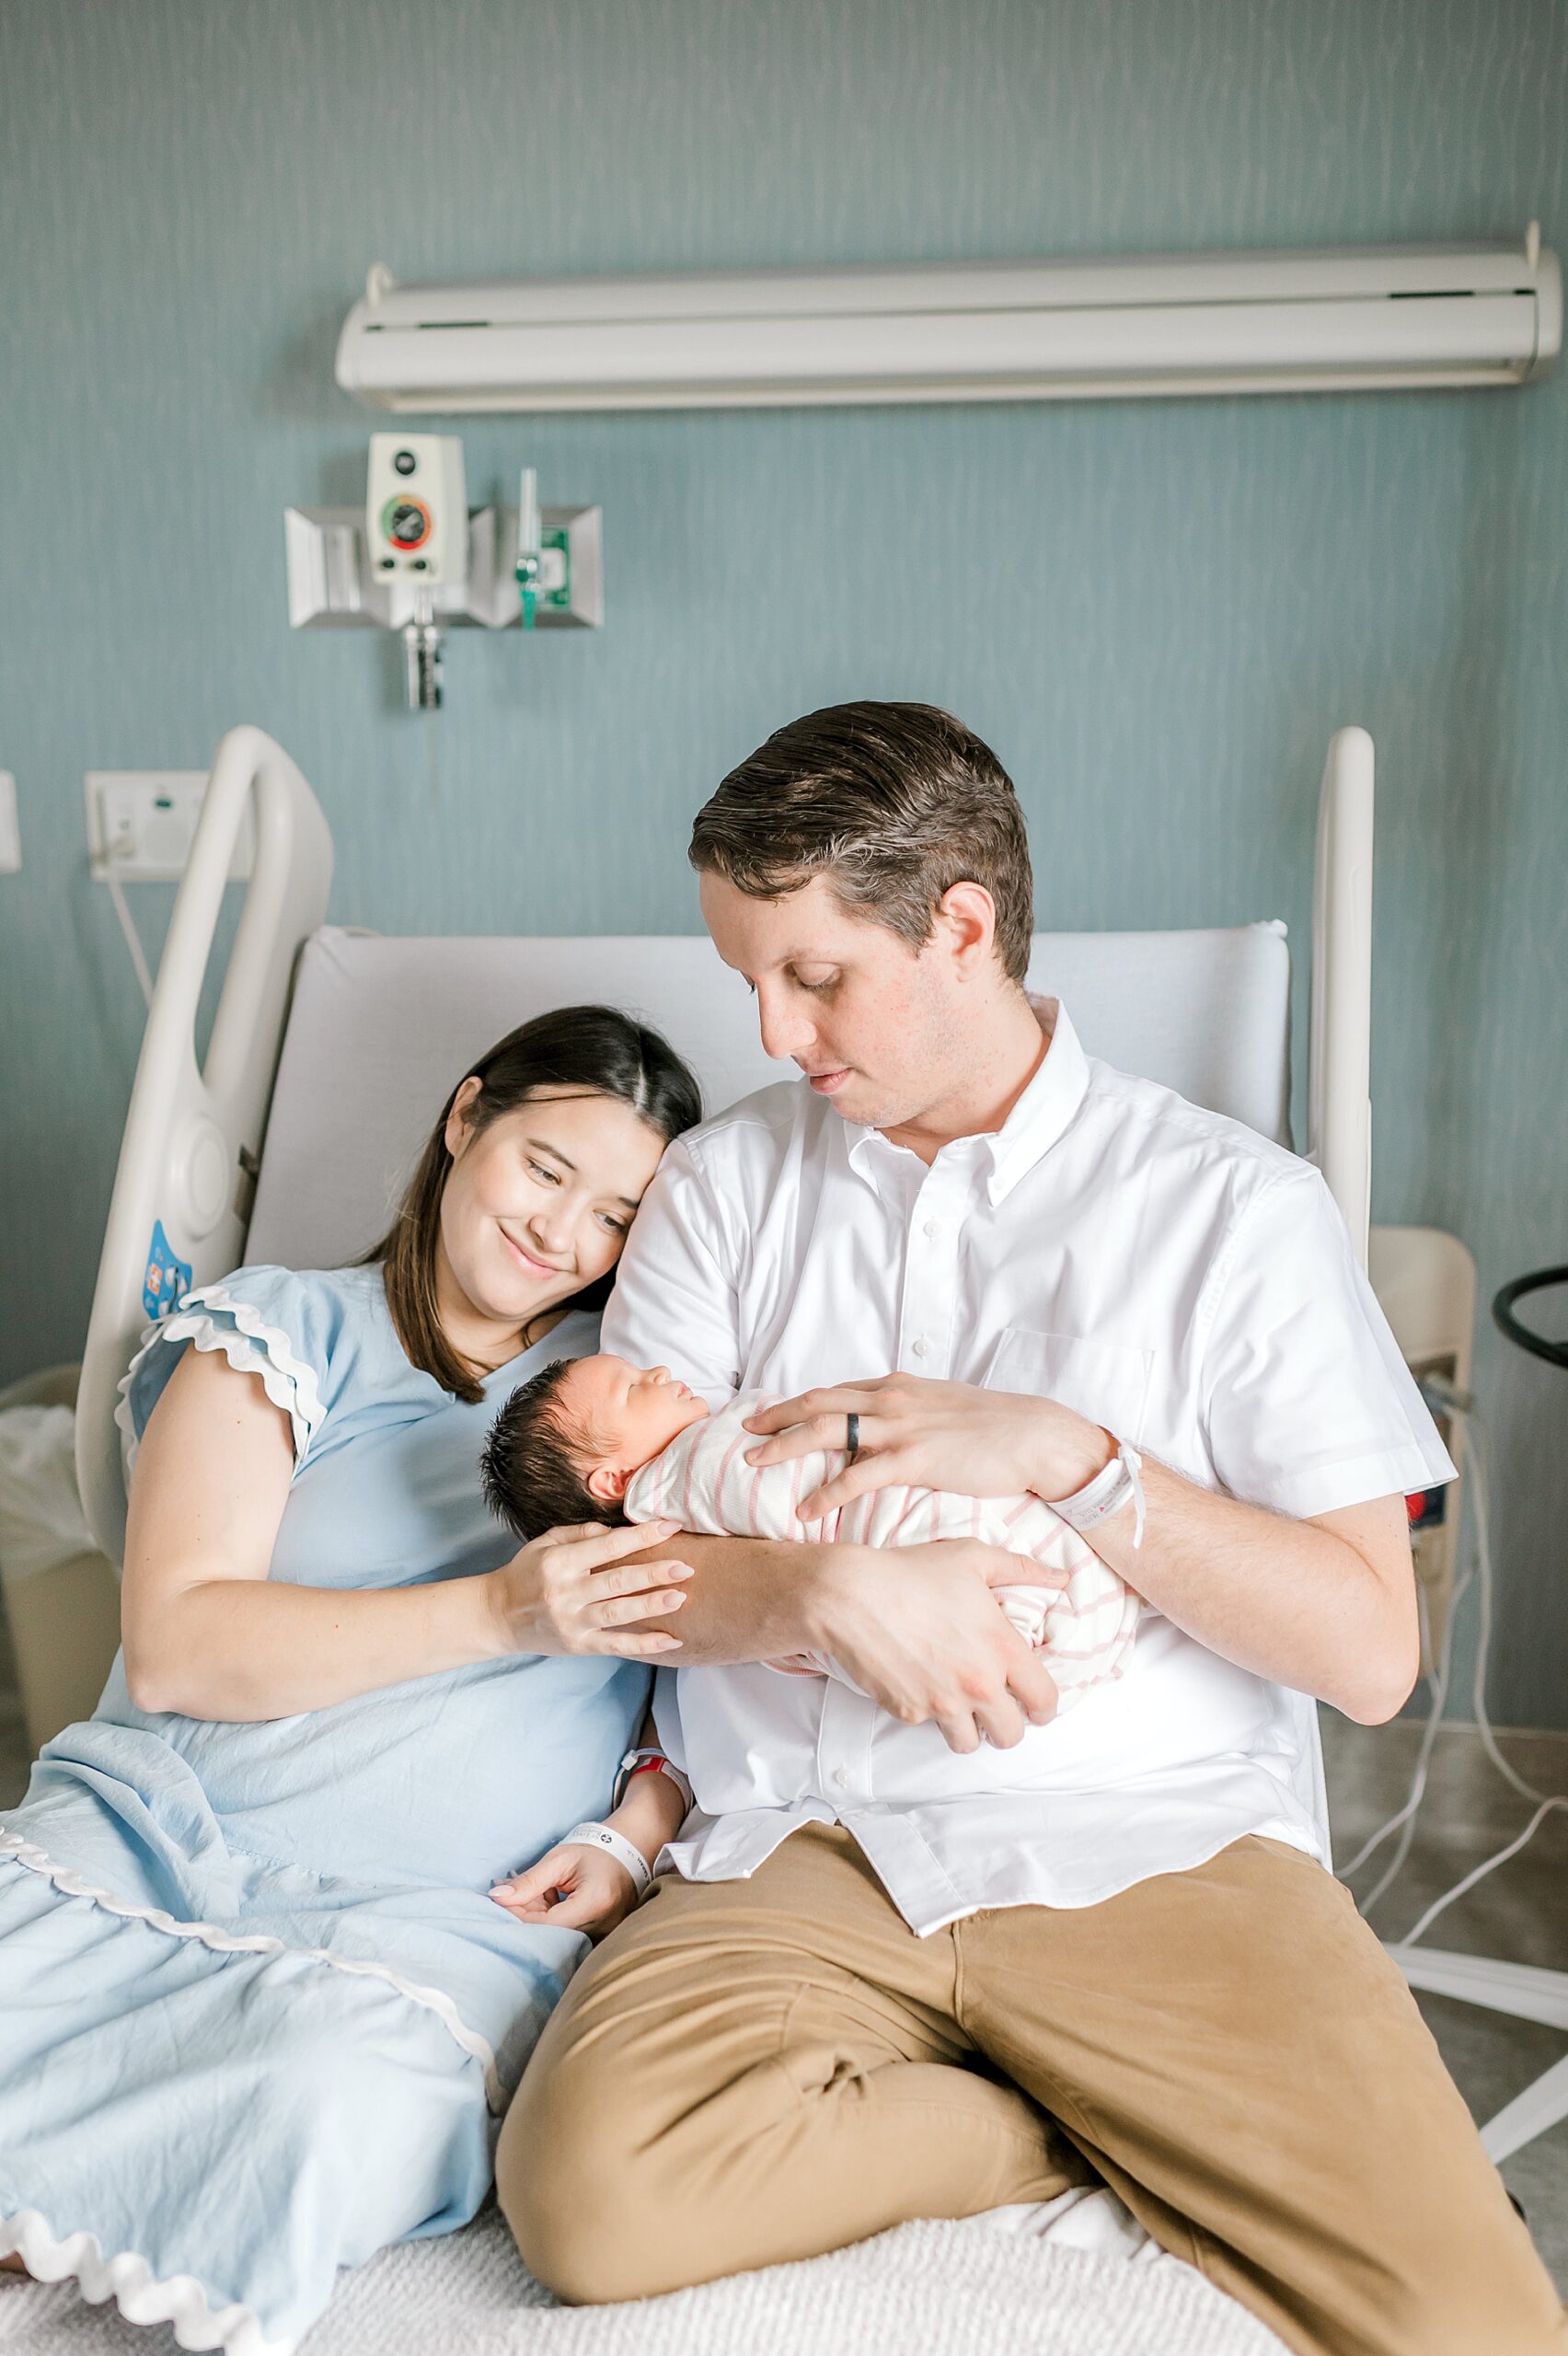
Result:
[852,1436]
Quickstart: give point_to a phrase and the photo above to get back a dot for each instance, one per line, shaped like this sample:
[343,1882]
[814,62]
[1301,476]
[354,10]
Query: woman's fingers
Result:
[639,1648]
[634,1578]
[533,1887]
[586,1910]
[621,1611]
[654,1588]
[598,1544]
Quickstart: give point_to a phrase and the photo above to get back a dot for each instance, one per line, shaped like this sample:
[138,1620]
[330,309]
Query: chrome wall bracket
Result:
[331,585]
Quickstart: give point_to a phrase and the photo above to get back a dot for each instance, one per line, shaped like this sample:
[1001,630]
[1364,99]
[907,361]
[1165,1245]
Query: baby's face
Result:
[629,1411]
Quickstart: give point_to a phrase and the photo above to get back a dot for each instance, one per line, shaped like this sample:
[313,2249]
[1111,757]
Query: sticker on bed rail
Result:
[167,1276]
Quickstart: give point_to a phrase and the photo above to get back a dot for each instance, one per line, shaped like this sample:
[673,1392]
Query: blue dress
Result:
[259,2017]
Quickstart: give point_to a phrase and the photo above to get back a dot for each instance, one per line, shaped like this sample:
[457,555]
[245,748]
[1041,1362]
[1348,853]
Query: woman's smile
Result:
[535,1266]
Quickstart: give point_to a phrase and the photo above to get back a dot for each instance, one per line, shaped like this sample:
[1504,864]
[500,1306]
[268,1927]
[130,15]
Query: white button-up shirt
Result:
[1169,1274]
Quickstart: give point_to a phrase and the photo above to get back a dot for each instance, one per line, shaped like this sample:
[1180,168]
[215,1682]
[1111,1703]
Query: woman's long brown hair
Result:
[573,1051]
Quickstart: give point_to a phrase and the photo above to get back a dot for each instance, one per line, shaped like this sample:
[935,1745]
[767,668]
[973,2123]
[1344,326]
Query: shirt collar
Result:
[1041,1115]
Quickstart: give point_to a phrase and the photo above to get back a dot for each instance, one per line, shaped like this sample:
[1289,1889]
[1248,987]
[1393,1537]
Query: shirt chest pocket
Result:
[1107,1381]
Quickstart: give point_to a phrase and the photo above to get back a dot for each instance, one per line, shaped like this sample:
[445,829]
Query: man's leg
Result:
[753,2070]
[1239,2057]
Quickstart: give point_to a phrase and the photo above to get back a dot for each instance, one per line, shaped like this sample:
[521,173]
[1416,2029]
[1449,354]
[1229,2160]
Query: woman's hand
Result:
[934,1436]
[570,1592]
[572,1888]
[583,1888]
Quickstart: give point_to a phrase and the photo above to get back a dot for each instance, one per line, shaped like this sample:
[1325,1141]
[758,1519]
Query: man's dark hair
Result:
[893,803]
[530,1480]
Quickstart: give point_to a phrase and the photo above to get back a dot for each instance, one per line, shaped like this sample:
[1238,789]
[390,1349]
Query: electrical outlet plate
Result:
[141,823]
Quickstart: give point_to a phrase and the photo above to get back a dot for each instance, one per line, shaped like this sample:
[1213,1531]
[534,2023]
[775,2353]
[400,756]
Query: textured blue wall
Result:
[1157,613]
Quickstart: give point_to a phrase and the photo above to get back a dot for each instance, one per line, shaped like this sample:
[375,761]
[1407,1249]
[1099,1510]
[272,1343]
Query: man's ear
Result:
[607,1483]
[456,1132]
[968,915]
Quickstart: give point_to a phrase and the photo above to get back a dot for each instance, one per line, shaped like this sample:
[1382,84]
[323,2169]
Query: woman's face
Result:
[537,1204]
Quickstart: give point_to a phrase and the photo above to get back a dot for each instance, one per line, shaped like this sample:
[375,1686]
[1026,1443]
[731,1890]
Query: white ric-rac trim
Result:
[129,2282]
[434,2000]
[251,1347]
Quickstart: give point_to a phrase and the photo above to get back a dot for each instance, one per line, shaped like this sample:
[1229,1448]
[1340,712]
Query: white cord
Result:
[1466,1427]
[1479,1872]
[1438,1688]
[128,927]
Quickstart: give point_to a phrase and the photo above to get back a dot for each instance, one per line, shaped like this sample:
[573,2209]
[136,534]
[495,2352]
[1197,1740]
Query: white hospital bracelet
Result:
[1110,1490]
[615,1845]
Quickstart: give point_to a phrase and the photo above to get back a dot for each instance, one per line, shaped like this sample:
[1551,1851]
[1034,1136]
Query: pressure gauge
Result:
[416,509]
[406,522]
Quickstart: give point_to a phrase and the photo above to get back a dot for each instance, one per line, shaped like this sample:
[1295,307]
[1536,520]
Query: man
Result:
[875,1988]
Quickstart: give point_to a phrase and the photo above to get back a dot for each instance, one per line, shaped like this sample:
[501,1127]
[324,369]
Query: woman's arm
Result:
[207,1634]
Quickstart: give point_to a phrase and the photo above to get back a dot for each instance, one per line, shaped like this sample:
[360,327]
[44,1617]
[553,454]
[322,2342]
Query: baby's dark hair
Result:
[530,1480]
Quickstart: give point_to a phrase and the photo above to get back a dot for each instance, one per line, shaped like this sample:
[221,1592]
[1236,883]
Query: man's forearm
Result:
[751,1598]
[1294,1601]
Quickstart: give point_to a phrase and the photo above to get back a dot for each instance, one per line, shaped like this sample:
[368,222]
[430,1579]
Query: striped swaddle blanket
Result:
[1073,1605]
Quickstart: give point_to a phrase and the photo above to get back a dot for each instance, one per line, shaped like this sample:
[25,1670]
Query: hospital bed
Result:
[331,1050]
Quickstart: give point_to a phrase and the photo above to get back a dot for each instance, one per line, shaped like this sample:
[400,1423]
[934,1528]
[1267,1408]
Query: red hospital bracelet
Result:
[650,1762]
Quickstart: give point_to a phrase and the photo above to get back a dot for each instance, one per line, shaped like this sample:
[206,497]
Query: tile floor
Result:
[1520,1912]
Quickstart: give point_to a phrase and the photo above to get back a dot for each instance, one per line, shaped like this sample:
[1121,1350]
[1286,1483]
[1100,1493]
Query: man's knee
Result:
[586,2207]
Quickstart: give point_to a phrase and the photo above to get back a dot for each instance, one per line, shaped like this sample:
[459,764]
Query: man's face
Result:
[875,1026]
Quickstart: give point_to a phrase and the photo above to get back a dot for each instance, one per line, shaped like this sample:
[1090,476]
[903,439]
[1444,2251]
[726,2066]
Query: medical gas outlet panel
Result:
[417,559]
[417,509]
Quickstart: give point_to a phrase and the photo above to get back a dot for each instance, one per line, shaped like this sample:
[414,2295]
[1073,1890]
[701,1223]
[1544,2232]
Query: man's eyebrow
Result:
[543,1145]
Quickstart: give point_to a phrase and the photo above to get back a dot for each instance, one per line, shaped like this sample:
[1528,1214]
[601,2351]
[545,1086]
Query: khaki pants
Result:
[755,2070]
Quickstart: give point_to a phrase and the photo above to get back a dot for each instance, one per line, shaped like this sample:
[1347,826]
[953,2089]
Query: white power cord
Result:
[128,925]
[1466,1429]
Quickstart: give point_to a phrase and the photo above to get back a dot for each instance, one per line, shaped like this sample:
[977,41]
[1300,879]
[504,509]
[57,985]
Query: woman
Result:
[260,2012]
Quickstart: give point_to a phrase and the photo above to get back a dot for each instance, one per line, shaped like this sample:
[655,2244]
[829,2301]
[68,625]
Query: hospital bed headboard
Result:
[378,1031]
[381,1030]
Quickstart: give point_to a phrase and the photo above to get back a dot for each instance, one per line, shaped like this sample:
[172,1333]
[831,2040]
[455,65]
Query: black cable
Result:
[1502,1317]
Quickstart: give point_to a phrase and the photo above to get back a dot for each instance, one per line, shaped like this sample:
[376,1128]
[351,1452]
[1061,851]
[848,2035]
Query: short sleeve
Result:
[277,1324]
[675,1299]
[1308,1404]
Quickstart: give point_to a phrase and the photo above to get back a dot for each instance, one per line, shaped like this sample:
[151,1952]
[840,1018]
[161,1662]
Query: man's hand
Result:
[934,1436]
[918,1629]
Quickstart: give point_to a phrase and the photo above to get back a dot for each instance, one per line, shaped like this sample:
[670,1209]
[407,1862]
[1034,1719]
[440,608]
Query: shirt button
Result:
[922,1348]
[840,1777]
[932,1229]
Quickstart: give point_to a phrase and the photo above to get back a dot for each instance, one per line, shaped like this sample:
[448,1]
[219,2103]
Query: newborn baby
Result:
[596,1439]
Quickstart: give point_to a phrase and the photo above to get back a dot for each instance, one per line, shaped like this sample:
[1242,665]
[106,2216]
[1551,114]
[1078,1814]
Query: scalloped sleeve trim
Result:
[251,1345]
[35,1860]
[130,2282]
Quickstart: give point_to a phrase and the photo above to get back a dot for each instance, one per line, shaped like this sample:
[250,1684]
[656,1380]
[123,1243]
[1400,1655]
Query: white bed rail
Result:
[182,1190]
[1339,1070]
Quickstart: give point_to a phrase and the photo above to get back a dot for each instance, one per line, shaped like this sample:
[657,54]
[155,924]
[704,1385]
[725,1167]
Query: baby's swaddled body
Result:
[1076,1608]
